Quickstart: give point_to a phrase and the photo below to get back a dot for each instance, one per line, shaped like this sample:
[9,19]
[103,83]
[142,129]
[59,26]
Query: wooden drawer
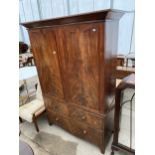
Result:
[77,128]
[86,117]
[77,114]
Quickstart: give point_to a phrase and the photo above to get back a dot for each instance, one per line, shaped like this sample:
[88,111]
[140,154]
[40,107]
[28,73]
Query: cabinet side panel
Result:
[110,43]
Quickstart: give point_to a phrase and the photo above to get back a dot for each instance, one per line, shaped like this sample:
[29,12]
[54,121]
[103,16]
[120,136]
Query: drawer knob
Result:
[57,119]
[94,30]
[84,131]
[54,52]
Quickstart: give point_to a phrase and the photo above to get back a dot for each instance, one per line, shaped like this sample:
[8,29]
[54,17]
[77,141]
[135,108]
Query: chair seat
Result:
[34,107]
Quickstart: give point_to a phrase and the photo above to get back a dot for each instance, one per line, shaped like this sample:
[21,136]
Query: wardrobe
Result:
[75,58]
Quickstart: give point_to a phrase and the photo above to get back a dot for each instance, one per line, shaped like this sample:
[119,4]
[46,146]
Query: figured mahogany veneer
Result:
[78,128]
[75,58]
[78,114]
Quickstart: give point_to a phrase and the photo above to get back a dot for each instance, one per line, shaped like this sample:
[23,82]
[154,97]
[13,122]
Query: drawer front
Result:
[78,114]
[77,128]
[86,117]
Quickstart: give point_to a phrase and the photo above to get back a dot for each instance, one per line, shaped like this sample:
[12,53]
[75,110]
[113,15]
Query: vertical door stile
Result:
[101,68]
[60,59]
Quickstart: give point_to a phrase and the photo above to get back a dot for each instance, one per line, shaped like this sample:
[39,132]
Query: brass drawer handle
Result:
[84,131]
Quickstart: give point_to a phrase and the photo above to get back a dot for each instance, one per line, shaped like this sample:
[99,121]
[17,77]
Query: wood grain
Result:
[80,63]
[75,58]
[47,62]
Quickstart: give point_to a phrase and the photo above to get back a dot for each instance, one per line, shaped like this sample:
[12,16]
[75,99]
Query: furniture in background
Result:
[75,59]
[22,98]
[33,109]
[26,59]
[126,83]
[22,61]
[25,96]
[123,72]
[25,74]
[120,60]
[130,57]
[25,149]
[125,66]
[23,48]
[30,61]
[21,86]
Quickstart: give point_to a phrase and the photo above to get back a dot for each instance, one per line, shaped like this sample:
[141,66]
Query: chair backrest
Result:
[30,82]
[39,92]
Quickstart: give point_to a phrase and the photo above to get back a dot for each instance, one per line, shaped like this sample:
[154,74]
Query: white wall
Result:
[126,26]
[30,10]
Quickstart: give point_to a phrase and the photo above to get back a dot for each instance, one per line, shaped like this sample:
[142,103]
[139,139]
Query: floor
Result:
[83,147]
[28,132]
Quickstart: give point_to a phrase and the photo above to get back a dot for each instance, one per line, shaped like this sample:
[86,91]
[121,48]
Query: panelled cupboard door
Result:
[46,57]
[79,47]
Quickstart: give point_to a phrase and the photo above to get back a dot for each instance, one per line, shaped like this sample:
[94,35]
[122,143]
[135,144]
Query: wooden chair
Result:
[27,90]
[30,61]
[22,60]
[22,98]
[33,109]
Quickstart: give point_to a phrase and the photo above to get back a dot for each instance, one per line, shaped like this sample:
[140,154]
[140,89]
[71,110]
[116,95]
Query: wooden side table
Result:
[128,82]
[120,60]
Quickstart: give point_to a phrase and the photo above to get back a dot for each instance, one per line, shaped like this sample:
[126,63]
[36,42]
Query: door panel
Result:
[46,58]
[79,47]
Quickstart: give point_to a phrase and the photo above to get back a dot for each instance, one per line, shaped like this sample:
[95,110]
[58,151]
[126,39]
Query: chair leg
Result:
[19,132]
[35,123]
[112,152]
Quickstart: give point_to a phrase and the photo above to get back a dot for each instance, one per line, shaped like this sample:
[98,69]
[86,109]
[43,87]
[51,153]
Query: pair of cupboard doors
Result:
[70,62]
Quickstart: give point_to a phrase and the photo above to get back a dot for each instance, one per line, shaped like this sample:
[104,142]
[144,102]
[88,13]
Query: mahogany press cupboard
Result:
[75,59]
